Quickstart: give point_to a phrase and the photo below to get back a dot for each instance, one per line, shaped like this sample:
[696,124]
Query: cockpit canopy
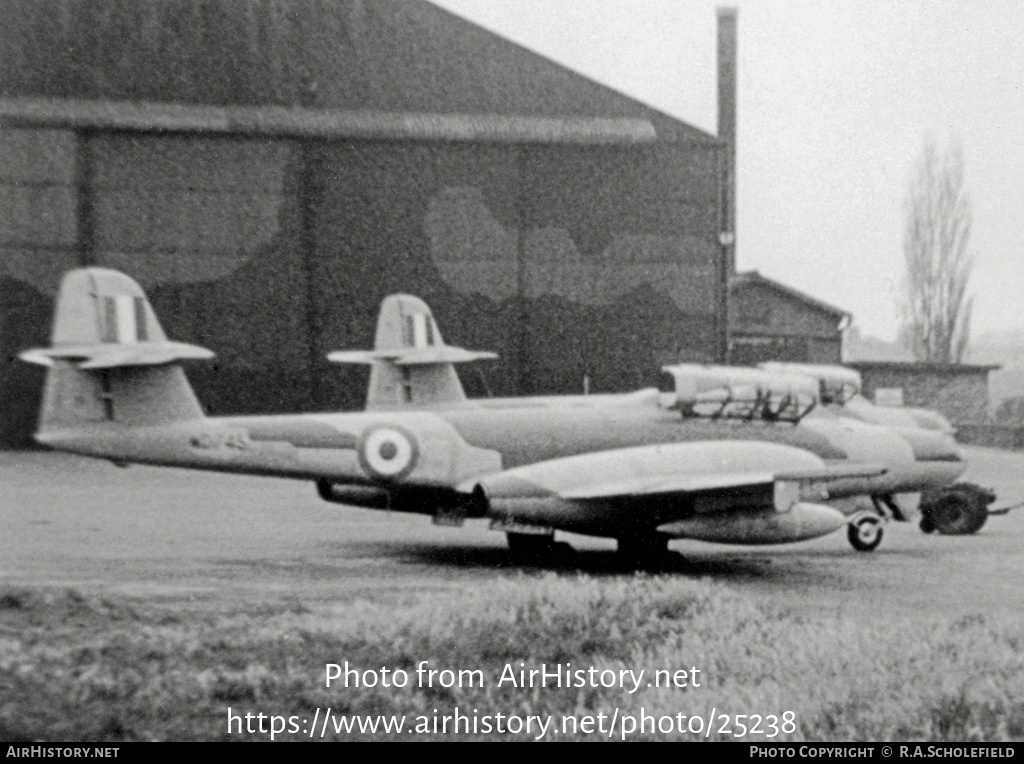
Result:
[836,384]
[742,393]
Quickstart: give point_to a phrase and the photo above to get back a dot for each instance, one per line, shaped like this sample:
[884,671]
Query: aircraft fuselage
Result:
[446,447]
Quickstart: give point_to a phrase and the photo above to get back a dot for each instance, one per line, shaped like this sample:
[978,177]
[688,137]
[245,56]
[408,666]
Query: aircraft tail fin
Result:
[410,365]
[109,360]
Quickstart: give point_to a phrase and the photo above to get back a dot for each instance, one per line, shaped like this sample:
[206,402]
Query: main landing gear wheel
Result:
[535,549]
[865,534]
[643,552]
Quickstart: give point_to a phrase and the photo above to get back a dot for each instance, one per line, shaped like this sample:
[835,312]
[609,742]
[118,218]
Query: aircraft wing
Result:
[714,481]
[726,491]
[661,486]
[670,469]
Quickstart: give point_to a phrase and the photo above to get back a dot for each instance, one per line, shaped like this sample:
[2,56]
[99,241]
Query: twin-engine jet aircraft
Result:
[636,467]
[958,509]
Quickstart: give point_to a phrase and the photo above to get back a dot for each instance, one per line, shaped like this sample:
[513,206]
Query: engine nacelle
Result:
[803,521]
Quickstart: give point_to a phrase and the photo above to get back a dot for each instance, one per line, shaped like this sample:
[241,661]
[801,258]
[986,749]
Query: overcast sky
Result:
[835,101]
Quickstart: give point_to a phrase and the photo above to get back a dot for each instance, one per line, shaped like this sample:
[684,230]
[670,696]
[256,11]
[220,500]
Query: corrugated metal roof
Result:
[320,123]
[382,57]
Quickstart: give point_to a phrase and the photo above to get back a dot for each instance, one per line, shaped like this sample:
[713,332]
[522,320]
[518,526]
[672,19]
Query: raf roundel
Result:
[388,452]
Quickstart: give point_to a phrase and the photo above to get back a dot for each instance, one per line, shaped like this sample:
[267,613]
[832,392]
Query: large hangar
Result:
[269,171]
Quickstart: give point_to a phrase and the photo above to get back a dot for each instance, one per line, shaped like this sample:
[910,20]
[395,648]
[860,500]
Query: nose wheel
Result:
[865,532]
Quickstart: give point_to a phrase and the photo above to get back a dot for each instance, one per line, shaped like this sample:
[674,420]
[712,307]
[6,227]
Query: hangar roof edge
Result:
[387,57]
[320,123]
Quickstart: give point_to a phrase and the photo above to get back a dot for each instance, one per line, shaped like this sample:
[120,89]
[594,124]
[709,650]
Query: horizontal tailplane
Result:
[410,366]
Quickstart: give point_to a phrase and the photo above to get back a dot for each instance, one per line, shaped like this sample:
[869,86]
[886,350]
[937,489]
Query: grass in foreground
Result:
[79,668]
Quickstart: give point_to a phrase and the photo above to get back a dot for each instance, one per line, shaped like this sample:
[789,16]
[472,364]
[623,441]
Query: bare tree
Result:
[937,311]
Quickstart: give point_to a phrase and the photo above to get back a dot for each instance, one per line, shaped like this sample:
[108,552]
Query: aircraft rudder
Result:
[100,305]
[405,321]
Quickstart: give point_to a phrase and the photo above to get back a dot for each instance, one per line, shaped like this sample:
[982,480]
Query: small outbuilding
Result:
[769,321]
[959,391]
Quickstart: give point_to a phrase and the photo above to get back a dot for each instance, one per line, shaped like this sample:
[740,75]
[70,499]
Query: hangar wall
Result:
[270,169]
[567,260]
[38,239]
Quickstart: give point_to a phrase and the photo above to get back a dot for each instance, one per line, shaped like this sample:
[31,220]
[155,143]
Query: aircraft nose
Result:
[864,443]
[938,459]
[931,445]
